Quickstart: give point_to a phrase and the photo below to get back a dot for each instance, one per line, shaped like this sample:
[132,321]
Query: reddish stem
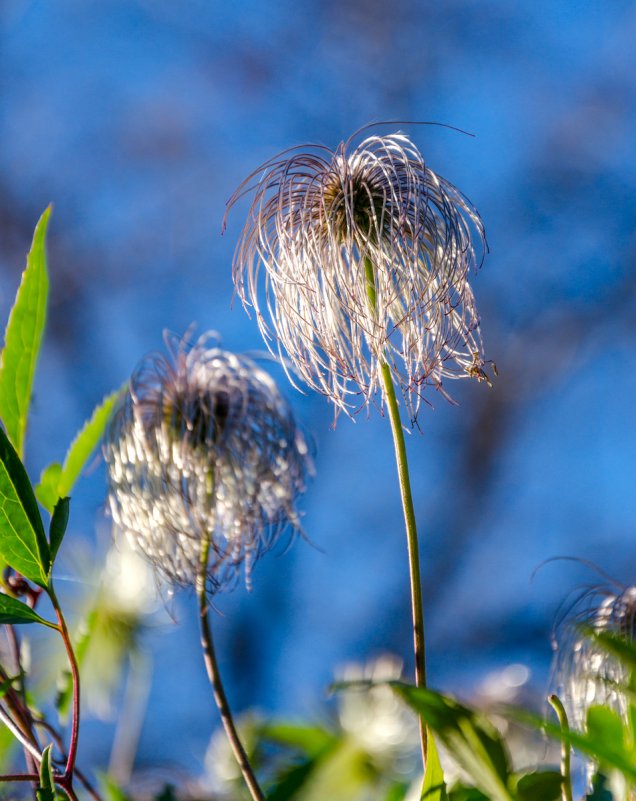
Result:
[63,629]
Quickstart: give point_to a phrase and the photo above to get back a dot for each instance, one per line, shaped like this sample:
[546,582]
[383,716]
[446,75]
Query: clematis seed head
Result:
[586,673]
[204,447]
[362,255]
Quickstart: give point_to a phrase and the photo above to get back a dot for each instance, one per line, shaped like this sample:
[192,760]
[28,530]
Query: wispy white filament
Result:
[318,220]
[586,674]
[204,444]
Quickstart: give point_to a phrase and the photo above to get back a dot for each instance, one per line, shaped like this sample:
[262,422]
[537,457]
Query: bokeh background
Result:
[138,119]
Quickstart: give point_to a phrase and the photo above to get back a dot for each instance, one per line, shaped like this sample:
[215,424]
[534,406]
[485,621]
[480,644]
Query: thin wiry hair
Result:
[204,445]
[363,254]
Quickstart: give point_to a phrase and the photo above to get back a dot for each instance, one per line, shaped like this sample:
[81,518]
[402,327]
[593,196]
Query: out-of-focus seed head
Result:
[585,673]
[204,445]
[363,255]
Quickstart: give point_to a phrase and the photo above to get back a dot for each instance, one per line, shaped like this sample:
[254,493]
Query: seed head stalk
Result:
[417,611]
[214,675]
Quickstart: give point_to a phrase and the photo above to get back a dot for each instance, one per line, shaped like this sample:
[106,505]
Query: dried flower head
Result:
[365,253]
[586,674]
[203,445]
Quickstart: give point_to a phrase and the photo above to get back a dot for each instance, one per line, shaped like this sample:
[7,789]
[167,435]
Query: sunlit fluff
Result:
[375,718]
[364,255]
[586,674]
[203,445]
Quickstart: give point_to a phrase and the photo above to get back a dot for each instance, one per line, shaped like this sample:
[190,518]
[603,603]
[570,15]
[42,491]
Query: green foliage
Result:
[309,740]
[59,522]
[22,339]
[604,744]
[46,790]
[58,480]
[471,738]
[111,791]
[23,543]
[539,786]
[462,793]
[397,792]
[14,611]
[434,787]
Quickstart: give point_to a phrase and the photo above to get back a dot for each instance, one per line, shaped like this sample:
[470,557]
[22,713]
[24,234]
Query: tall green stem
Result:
[417,610]
[214,675]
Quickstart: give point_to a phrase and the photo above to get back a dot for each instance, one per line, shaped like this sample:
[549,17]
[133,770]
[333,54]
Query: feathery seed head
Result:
[586,673]
[364,255]
[203,445]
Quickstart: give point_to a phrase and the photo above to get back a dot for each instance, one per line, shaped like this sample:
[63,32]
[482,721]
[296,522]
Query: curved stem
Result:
[214,675]
[419,644]
[417,611]
[66,638]
[566,777]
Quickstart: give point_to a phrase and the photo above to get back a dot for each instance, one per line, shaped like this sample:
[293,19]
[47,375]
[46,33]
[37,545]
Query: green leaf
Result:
[59,522]
[57,480]
[595,746]
[397,792]
[434,787]
[605,727]
[22,339]
[14,611]
[46,790]
[23,543]
[310,740]
[539,786]
[290,782]
[621,648]
[461,793]
[471,739]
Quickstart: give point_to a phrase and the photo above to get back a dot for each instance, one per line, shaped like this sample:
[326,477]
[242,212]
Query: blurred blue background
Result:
[139,118]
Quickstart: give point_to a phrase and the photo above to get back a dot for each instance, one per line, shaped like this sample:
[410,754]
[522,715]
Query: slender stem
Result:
[19,777]
[66,638]
[566,776]
[20,736]
[25,713]
[214,675]
[417,611]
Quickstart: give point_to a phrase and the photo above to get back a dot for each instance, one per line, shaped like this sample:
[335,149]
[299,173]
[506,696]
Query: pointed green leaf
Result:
[47,490]
[23,542]
[470,737]
[57,481]
[46,790]
[59,522]
[434,787]
[14,611]
[22,339]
